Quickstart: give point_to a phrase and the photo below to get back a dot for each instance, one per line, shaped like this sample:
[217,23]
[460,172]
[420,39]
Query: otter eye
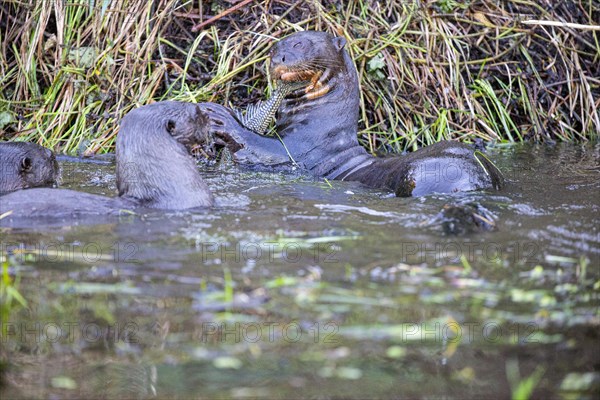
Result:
[297,45]
[25,164]
[170,126]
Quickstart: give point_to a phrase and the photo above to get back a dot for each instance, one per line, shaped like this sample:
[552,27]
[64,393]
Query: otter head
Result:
[40,168]
[193,131]
[314,57]
[26,165]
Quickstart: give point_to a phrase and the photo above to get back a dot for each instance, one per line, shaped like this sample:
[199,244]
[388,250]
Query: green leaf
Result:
[63,382]
[5,119]
[376,63]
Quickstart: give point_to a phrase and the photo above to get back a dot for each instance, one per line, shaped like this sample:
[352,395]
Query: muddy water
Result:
[298,288]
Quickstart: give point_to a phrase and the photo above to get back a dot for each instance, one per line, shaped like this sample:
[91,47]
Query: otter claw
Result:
[320,90]
[225,139]
[314,82]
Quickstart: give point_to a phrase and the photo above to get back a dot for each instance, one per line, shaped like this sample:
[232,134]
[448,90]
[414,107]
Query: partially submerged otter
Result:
[26,165]
[318,126]
[154,168]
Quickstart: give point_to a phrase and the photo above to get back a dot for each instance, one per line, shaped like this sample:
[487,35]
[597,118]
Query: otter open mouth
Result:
[287,74]
[316,86]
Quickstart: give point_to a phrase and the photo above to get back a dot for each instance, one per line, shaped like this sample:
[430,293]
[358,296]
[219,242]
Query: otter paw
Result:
[225,127]
[317,91]
[224,139]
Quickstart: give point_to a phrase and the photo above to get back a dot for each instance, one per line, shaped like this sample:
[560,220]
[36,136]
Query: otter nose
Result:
[278,58]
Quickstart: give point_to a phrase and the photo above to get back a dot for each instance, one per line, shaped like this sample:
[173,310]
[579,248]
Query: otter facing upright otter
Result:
[154,169]
[154,166]
[319,124]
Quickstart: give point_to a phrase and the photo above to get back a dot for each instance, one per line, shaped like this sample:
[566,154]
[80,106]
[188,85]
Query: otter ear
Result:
[171,126]
[25,164]
[339,42]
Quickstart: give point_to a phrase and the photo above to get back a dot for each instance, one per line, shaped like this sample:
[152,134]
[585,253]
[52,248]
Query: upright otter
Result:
[25,165]
[154,168]
[319,125]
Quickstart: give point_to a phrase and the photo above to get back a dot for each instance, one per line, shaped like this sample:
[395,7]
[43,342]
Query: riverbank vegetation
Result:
[430,70]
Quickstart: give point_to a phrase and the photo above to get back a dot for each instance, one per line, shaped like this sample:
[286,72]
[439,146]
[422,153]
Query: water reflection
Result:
[297,288]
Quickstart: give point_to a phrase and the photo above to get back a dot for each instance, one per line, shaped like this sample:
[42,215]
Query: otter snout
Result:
[288,55]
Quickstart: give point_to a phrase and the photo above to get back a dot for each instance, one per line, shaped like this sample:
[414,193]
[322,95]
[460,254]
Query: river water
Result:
[297,288]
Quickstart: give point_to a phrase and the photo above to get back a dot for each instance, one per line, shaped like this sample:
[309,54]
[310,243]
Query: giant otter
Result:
[318,129]
[154,168]
[25,165]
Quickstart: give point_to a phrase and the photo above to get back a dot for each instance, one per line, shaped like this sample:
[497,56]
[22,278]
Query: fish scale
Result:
[258,117]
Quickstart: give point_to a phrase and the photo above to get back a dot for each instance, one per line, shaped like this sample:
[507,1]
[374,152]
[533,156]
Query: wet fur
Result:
[154,169]
[319,125]
[26,165]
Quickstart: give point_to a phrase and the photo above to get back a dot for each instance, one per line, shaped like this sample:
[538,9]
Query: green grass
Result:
[10,297]
[428,70]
